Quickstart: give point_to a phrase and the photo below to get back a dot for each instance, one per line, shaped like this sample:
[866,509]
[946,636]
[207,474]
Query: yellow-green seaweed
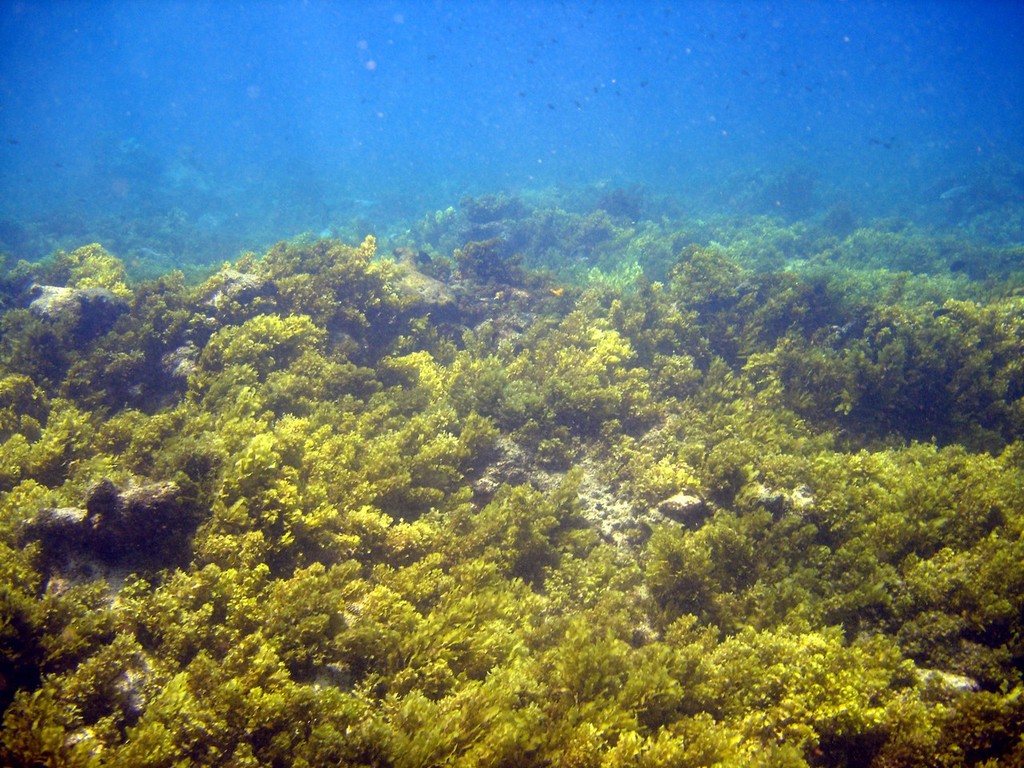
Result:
[427,540]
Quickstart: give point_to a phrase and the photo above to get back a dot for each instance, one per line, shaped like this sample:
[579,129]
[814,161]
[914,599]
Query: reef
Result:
[545,488]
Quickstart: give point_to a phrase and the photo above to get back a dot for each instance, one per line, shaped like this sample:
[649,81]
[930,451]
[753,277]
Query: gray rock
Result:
[781,502]
[334,676]
[421,290]
[421,294]
[60,530]
[686,508]
[138,523]
[90,310]
[773,500]
[948,680]
[55,302]
[179,363]
[230,284]
[147,524]
[802,499]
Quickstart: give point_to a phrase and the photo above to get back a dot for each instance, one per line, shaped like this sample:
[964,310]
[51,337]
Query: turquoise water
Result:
[186,131]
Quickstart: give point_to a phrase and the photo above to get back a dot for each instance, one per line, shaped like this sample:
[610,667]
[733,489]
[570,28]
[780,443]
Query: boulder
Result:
[779,502]
[60,530]
[948,680]
[686,508]
[91,311]
[181,362]
[421,291]
[231,285]
[141,525]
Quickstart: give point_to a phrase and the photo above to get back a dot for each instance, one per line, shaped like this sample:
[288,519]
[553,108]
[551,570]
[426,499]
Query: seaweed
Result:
[743,503]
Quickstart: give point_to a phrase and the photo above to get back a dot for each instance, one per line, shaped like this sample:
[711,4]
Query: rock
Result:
[55,302]
[231,285]
[607,511]
[179,363]
[334,675]
[802,499]
[509,464]
[60,530]
[421,291]
[92,311]
[130,690]
[686,508]
[141,522]
[780,502]
[948,680]
[142,525]
[773,500]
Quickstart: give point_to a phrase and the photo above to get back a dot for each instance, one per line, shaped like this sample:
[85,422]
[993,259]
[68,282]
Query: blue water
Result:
[195,128]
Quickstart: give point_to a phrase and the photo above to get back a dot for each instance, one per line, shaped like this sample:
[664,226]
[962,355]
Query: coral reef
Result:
[754,498]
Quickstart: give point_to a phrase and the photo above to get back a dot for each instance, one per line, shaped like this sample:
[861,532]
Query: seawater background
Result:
[188,130]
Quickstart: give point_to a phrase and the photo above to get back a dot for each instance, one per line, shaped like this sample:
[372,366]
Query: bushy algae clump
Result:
[450,509]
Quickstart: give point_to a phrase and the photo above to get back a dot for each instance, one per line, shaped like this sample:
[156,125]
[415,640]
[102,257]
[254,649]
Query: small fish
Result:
[955,192]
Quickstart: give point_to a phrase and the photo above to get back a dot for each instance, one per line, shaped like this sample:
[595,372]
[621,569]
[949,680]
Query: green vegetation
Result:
[749,500]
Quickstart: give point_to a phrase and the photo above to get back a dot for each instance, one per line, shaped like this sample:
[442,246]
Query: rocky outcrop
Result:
[91,311]
[141,525]
[780,502]
[947,681]
[232,285]
[686,508]
[418,290]
[180,362]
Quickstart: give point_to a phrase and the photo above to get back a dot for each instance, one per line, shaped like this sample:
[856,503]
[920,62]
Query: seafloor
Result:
[535,487]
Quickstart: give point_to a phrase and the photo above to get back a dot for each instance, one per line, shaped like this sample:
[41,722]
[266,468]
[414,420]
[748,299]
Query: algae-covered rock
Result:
[141,524]
[181,362]
[232,285]
[420,292]
[60,530]
[686,508]
[91,311]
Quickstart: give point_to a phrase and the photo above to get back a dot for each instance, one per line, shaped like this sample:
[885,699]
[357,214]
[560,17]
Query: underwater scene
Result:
[518,384]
